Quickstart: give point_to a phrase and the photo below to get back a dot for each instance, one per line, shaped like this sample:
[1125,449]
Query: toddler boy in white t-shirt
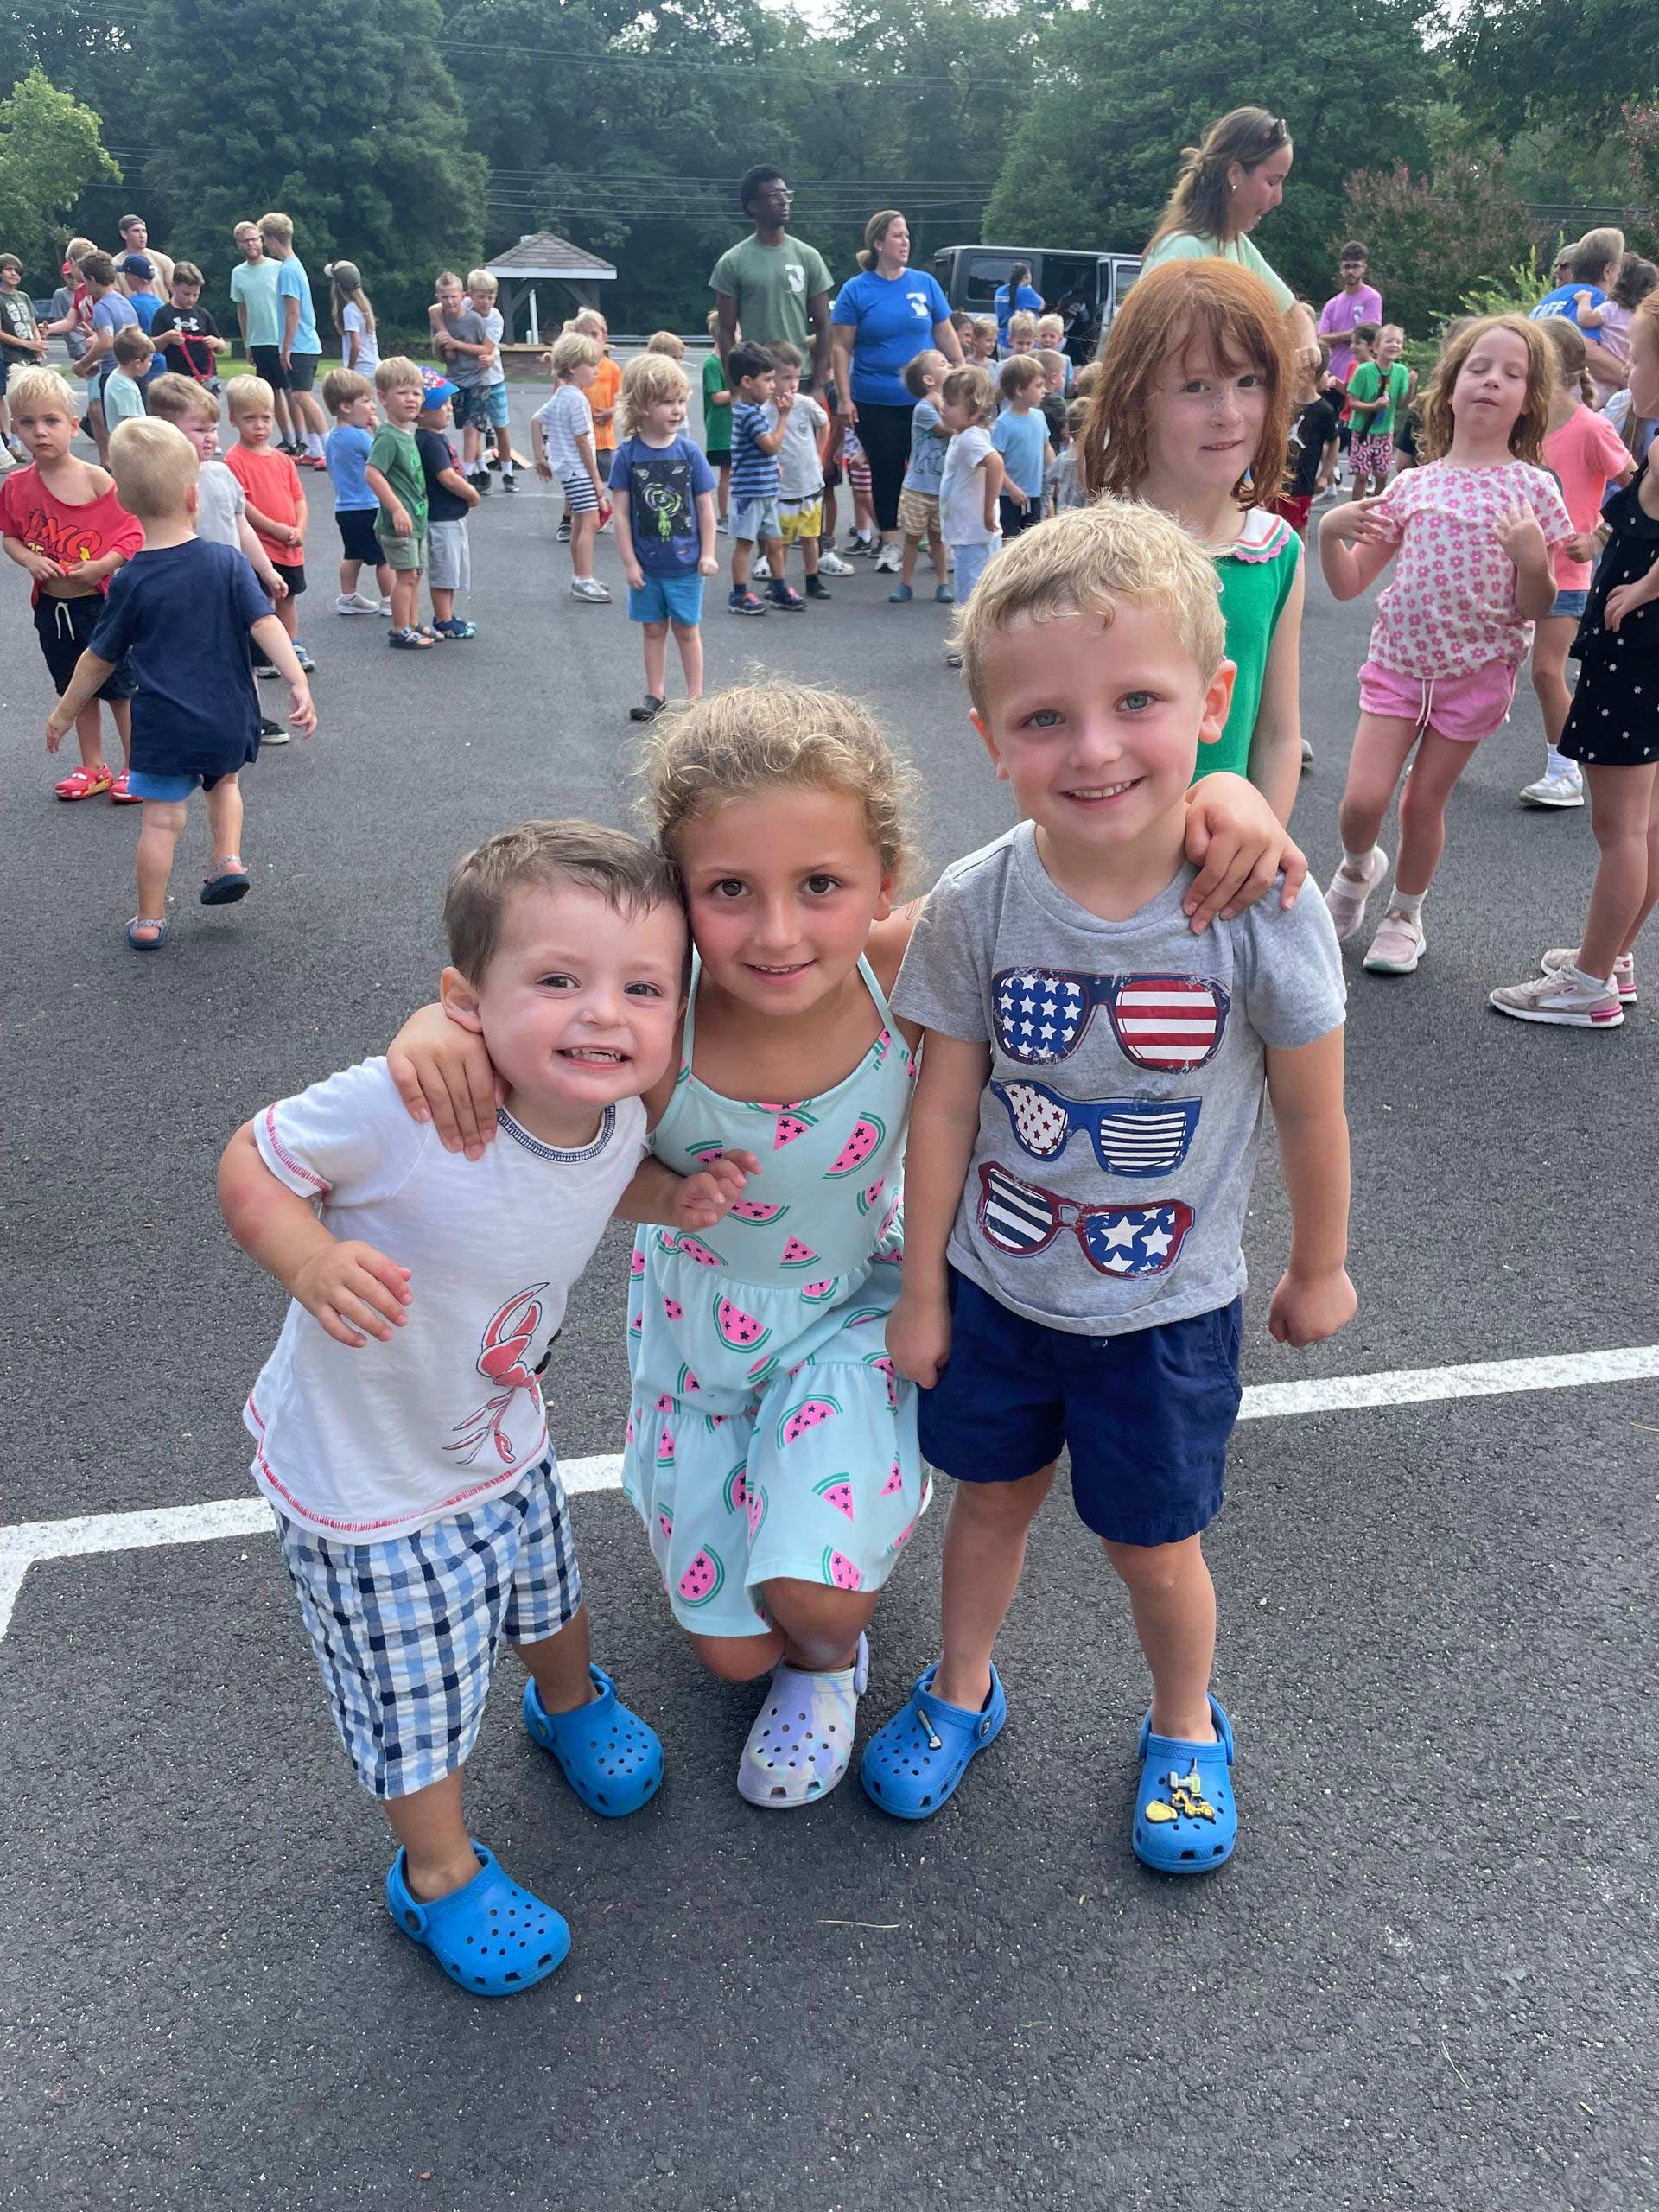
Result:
[401,1434]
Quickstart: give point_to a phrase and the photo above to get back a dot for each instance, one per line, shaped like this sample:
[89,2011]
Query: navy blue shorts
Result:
[1146,1416]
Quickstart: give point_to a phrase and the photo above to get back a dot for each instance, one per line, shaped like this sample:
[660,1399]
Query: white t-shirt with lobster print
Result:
[362,1446]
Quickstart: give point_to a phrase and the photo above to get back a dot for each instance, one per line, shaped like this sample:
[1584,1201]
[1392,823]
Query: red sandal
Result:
[120,796]
[85,783]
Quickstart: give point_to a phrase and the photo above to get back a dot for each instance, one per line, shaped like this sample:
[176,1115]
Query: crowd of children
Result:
[1082,1019]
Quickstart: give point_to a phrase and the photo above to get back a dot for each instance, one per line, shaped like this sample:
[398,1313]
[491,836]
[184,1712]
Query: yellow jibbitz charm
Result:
[1185,1796]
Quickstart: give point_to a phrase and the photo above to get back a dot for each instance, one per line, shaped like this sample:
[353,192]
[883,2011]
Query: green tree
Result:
[1435,240]
[1124,85]
[92,49]
[50,152]
[1577,58]
[361,139]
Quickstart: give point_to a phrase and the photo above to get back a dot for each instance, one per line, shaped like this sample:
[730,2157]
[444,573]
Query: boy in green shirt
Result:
[1376,390]
[399,482]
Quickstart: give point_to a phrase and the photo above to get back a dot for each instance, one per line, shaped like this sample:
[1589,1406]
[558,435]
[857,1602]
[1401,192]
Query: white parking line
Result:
[26,1542]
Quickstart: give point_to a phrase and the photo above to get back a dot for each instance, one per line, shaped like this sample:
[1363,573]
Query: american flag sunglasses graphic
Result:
[1172,1023]
[1130,1136]
[1126,1243]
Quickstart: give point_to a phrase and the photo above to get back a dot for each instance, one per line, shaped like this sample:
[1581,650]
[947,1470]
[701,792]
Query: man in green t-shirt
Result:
[771,286]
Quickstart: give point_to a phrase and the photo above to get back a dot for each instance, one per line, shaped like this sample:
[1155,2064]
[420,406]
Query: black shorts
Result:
[303,371]
[64,628]
[268,363]
[470,409]
[357,539]
[293,577]
[1016,519]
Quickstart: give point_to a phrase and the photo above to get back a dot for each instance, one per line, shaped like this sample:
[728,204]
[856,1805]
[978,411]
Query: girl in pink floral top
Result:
[1474,529]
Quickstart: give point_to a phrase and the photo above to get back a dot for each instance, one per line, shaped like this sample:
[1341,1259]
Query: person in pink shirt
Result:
[1357,302]
[1588,457]
[1474,527]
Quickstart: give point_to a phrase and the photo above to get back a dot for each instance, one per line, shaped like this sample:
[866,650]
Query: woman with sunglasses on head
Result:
[1233,177]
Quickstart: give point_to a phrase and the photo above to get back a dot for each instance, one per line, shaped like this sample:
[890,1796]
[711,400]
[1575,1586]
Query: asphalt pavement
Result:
[1425,1979]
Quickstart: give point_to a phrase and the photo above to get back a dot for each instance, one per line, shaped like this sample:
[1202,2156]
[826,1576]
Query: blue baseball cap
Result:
[435,388]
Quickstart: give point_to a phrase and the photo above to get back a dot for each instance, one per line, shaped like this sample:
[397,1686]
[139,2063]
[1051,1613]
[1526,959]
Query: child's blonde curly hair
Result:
[776,736]
[647,378]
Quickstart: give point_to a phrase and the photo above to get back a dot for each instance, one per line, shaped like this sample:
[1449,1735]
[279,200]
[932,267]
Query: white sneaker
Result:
[591,589]
[1397,948]
[760,569]
[349,603]
[887,561]
[1346,898]
[1562,786]
[1566,999]
[385,608]
[860,543]
[831,564]
[1307,754]
[1622,977]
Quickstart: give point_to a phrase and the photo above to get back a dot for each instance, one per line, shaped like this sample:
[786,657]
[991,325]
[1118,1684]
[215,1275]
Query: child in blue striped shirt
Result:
[749,371]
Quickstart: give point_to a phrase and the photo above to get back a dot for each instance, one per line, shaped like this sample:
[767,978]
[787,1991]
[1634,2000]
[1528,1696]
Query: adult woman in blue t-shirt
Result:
[881,319]
[1017,296]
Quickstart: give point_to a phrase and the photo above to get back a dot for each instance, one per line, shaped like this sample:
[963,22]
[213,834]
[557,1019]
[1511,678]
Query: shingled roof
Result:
[543,253]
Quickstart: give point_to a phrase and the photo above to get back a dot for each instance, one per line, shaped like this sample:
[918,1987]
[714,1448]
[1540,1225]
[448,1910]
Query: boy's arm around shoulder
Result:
[943,1125]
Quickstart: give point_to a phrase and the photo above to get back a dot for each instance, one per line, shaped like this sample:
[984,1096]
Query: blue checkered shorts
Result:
[407,1632]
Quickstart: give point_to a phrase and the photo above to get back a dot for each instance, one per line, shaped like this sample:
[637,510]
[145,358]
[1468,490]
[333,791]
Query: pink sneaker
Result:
[1397,948]
[1623,976]
[1346,897]
[1566,1000]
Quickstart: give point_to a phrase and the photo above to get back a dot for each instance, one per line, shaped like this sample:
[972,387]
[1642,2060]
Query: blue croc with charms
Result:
[491,1936]
[610,1757]
[912,1765]
[1185,1820]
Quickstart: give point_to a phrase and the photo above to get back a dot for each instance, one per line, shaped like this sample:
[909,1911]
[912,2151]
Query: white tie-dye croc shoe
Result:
[801,1743]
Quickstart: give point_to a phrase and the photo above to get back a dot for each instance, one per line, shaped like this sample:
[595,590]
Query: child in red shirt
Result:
[60,520]
[276,508]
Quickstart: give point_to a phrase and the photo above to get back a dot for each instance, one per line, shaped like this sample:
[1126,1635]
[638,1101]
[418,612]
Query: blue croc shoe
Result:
[492,1937]
[1186,1822]
[608,1756]
[912,1765]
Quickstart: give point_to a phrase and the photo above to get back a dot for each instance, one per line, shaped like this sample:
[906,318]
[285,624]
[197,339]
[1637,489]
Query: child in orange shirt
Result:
[276,508]
[602,397]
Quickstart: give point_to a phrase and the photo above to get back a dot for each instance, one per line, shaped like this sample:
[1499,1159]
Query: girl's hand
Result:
[1353,524]
[919,1336]
[1623,601]
[1240,848]
[1306,1309]
[443,1074]
[1583,545]
[1519,531]
[350,1288]
[708,1195]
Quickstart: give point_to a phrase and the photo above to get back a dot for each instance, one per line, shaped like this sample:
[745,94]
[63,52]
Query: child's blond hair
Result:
[1573,362]
[666,341]
[648,378]
[248,395]
[131,346]
[278,226]
[971,386]
[343,388]
[447,276]
[174,398]
[36,386]
[1023,325]
[1019,374]
[1053,361]
[1531,425]
[1087,377]
[1051,328]
[590,323]
[570,349]
[775,736]
[154,465]
[985,327]
[78,249]
[479,280]
[922,370]
[1083,561]
[187,276]
[398,373]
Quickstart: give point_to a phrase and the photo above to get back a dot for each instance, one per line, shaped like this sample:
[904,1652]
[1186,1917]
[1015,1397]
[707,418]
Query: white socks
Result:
[1407,906]
[1559,765]
[313,444]
[1357,865]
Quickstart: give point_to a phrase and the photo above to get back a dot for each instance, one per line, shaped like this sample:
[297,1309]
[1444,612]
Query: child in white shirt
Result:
[800,466]
[971,484]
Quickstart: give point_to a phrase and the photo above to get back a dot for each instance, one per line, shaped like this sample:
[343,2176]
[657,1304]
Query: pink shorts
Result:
[1467,707]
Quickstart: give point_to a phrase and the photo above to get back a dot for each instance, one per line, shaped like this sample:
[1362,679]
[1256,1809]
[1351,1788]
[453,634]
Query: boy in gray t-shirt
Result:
[462,337]
[1083,1145]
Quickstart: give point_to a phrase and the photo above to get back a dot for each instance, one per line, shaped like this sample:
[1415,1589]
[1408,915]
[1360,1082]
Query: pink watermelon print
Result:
[883,1044]
[665,1403]
[836,1490]
[757,1505]
[819,1294]
[860,1317]
[742,1332]
[811,1412]
[713,1422]
[888,1370]
[789,1121]
[702,1578]
[665,1522]
[673,1309]
[868,1198]
[839,1571]
[627,1433]
[895,1483]
[757,1209]
[904,1536]
[868,1133]
[735,1489]
[701,1253]
[760,1375]
[797,1255]
[636,1326]
[637,1264]
[687,1381]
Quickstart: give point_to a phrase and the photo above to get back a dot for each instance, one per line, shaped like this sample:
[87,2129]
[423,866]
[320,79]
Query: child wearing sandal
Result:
[400,1429]
[1086,1126]
[180,616]
[771,1450]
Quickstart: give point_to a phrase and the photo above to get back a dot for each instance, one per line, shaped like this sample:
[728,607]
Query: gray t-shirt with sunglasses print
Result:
[1118,1132]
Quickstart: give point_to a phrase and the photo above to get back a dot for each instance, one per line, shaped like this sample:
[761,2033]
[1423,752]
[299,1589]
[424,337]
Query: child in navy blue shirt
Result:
[664,491]
[1021,435]
[750,371]
[182,620]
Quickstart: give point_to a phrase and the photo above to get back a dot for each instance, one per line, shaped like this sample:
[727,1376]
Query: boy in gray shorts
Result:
[450,498]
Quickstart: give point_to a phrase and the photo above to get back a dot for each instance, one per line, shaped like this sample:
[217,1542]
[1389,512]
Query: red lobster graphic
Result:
[511,1333]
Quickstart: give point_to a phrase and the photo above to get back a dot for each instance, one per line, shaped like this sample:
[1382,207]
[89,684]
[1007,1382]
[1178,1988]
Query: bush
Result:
[1436,240]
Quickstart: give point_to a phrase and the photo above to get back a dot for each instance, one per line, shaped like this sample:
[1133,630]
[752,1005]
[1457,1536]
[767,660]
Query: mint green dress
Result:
[1256,573]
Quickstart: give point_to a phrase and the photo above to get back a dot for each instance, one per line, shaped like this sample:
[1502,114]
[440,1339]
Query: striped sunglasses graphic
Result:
[1173,1023]
[1126,1243]
[1130,1137]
